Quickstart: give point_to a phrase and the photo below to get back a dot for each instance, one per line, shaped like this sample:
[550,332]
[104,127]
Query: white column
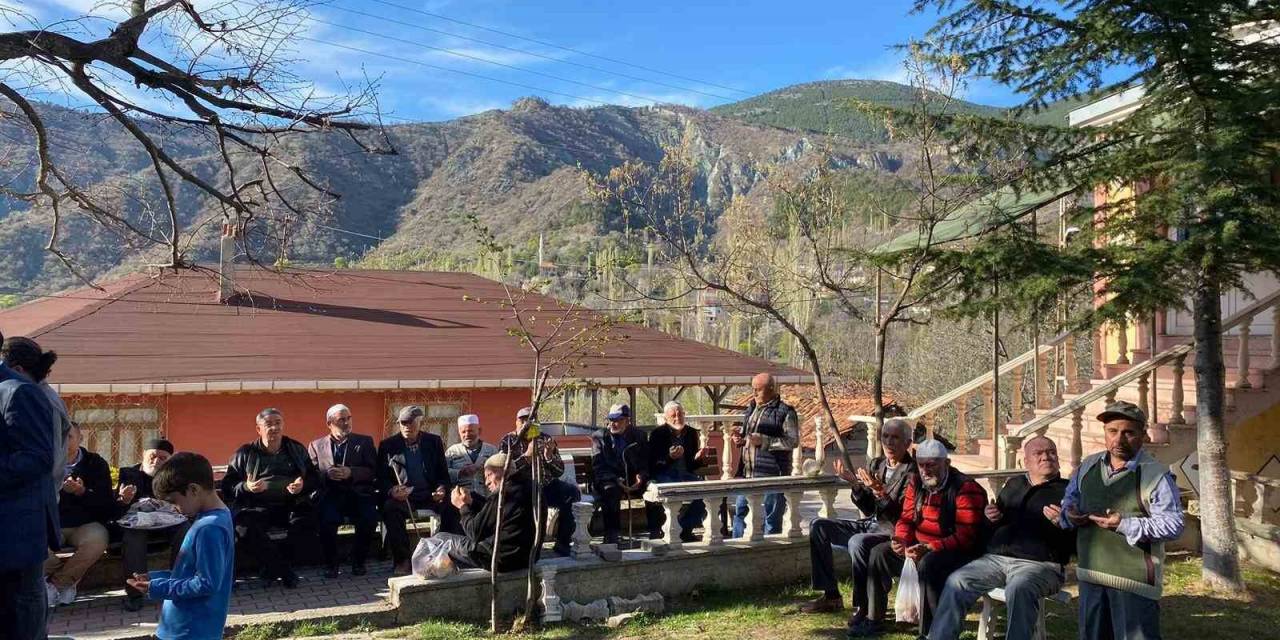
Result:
[552,611]
[828,502]
[819,440]
[1242,356]
[792,527]
[755,517]
[712,523]
[581,537]
[671,530]
[726,457]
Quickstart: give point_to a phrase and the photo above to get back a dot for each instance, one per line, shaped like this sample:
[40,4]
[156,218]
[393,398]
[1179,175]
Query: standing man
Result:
[85,506]
[619,469]
[556,492]
[1125,506]
[878,493]
[25,356]
[466,458]
[675,454]
[135,484]
[346,462]
[413,474]
[27,502]
[270,482]
[770,431]
[1025,555]
[940,530]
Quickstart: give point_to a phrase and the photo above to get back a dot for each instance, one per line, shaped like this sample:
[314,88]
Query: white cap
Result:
[931,449]
[467,419]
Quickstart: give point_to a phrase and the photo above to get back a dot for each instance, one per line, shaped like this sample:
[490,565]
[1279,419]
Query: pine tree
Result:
[1199,155]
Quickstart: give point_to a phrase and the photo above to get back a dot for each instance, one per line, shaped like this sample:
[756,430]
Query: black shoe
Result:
[290,579]
[358,569]
[689,536]
[655,535]
[331,572]
[611,538]
[134,603]
[867,628]
[858,618]
[562,552]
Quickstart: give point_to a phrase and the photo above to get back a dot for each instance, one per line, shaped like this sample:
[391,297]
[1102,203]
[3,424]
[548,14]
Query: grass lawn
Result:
[740,615]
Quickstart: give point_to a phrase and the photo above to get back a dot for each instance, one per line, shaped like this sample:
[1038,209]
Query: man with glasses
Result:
[347,463]
[557,493]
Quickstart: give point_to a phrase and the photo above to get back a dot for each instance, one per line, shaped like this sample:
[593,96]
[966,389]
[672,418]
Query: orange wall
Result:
[216,424]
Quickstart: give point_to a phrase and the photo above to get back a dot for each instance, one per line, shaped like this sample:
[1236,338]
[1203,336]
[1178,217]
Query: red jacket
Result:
[970,500]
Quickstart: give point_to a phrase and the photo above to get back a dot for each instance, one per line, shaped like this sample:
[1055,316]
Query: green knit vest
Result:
[1106,557]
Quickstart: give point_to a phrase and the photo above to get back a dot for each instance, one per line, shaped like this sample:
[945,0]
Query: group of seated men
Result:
[1115,514]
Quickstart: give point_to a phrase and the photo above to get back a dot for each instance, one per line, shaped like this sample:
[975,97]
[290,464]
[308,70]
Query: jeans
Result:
[692,514]
[561,495]
[1026,583]
[1112,614]
[253,524]
[775,504]
[858,536]
[133,549]
[336,506]
[23,608]
[90,542]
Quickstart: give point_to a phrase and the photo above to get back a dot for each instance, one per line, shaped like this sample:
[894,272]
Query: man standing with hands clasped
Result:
[1125,506]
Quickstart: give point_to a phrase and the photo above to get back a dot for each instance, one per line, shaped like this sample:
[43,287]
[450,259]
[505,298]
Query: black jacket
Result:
[434,467]
[98,504]
[361,458]
[247,460]
[480,517]
[660,442]
[1023,531]
[888,509]
[608,464]
[138,478]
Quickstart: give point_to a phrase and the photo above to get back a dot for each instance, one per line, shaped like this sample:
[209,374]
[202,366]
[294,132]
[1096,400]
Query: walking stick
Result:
[398,469]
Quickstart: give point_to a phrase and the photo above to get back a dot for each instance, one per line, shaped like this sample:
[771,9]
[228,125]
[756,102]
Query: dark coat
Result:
[434,467]
[889,508]
[607,466]
[361,458]
[480,517]
[98,503]
[660,442]
[247,460]
[28,498]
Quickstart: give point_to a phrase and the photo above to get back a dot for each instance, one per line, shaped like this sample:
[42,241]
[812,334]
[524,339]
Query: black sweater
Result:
[98,504]
[479,518]
[662,439]
[1023,531]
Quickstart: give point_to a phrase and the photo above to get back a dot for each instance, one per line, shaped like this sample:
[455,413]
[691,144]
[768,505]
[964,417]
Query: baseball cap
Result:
[1123,411]
[524,413]
[619,411]
[931,449]
[410,412]
[469,418]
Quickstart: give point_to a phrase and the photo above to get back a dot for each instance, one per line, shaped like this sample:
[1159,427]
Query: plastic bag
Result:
[906,606]
[431,559]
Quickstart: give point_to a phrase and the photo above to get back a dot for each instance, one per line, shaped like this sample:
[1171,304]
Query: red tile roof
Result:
[373,326]
[846,399]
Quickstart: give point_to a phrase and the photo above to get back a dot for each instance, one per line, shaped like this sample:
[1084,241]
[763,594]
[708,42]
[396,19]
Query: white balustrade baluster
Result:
[671,530]
[1242,356]
[828,503]
[792,526]
[1077,445]
[1176,395]
[755,517]
[712,523]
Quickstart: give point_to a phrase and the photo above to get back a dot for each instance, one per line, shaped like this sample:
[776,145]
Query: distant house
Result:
[154,355]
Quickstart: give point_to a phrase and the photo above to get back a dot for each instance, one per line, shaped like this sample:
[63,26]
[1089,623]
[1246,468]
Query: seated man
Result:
[1025,554]
[940,530]
[85,504]
[556,493]
[346,462]
[877,492]
[466,458]
[619,469]
[269,482]
[134,485]
[475,548]
[413,475]
[675,454]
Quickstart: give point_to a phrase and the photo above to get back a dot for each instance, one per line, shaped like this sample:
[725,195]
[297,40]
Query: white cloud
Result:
[890,68]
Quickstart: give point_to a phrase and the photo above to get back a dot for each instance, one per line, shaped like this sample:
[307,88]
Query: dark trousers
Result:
[22,603]
[1112,614]
[395,513]
[934,568]
[275,559]
[133,549]
[561,495]
[332,509]
[692,514]
[858,537]
[609,502]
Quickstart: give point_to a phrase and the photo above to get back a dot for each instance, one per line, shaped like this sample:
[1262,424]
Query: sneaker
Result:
[50,594]
[133,603]
[823,604]
[67,595]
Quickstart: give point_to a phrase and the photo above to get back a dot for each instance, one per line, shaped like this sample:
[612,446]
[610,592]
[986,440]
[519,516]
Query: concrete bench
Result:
[985,618]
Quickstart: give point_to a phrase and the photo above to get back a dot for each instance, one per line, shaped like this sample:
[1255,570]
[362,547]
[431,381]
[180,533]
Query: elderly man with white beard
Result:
[135,485]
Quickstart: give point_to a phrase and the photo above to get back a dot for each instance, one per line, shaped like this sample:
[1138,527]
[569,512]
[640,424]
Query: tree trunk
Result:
[877,391]
[1221,568]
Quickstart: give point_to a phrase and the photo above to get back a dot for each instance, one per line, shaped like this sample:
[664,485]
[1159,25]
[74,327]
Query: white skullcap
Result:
[467,419]
[333,411]
[931,449]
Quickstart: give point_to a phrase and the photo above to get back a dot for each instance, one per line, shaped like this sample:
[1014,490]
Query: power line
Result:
[419,63]
[557,46]
[534,54]
[504,65]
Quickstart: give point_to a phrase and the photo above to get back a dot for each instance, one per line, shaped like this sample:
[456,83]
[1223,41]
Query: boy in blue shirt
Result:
[197,593]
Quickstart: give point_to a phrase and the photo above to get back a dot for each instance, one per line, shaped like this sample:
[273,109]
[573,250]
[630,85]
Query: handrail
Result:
[970,386]
[1250,311]
[1256,479]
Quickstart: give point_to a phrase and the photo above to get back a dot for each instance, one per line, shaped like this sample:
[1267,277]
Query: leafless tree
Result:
[170,71]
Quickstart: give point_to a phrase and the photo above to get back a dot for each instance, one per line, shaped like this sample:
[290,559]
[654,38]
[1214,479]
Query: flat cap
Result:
[1121,410]
[410,412]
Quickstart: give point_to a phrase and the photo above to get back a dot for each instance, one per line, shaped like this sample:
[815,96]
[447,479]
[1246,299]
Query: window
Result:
[442,414]
[116,427]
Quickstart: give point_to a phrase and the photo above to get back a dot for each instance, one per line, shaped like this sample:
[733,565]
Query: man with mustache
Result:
[347,462]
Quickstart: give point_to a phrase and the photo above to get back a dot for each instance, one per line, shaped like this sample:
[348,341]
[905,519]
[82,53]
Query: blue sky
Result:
[708,53]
